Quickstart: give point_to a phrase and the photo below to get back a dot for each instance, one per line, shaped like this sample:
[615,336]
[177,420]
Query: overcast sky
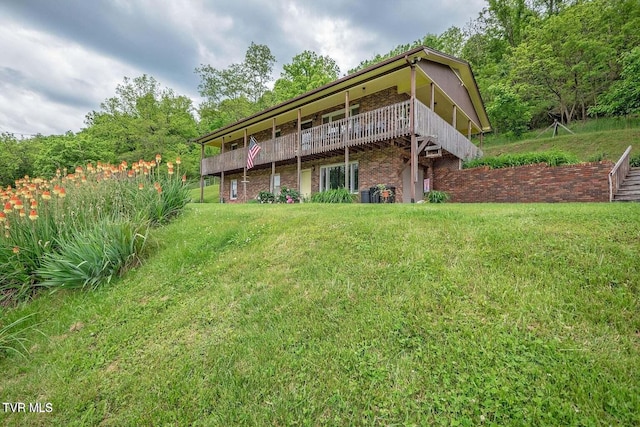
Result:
[60,59]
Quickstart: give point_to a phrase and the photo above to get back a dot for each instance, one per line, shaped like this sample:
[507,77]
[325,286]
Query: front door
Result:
[305,183]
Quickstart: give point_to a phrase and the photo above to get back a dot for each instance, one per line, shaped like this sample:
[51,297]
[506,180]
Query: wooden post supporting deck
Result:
[273,164]
[221,190]
[299,151]
[201,176]
[244,179]
[346,140]
[412,131]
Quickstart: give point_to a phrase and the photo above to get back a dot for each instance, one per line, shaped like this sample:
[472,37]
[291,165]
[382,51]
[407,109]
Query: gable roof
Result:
[389,68]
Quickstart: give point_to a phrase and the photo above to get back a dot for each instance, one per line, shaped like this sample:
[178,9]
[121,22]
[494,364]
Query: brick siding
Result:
[375,166]
[587,182]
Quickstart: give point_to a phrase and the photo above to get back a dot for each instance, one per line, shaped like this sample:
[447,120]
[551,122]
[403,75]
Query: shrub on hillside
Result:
[339,195]
[550,158]
[90,224]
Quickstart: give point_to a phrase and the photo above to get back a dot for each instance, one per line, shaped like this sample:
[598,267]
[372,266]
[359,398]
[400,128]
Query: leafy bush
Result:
[288,195]
[265,197]
[634,161]
[551,158]
[80,229]
[339,195]
[435,196]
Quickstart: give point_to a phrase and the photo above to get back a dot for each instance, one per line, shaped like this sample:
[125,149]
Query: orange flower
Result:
[16,250]
[184,178]
[170,171]
[33,215]
[46,195]
[140,186]
[3,217]
[7,207]
[158,158]
[178,161]
[18,205]
[22,213]
[56,189]
[62,193]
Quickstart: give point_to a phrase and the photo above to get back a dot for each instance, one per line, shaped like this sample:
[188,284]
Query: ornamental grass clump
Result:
[80,229]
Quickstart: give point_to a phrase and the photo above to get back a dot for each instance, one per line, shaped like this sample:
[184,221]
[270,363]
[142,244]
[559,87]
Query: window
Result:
[234,146]
[337,115]
[332,177]
[275,184]
[233,194]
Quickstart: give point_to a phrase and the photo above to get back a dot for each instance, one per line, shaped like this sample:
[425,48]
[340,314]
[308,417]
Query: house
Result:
[392,123]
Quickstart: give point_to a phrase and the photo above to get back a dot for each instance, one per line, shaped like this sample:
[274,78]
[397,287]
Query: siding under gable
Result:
[448,81]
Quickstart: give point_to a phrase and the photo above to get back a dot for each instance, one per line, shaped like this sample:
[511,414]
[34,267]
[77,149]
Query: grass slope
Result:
[360,314]
[586,146]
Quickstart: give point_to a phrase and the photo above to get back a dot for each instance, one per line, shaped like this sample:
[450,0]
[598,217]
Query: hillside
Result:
[587,146]
[351,315]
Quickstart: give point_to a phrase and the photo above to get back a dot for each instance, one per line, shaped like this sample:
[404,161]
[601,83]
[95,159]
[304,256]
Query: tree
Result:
[508,113]
[143,119]
[567,59]
[236,91]
[623,97]
[16,157]
[306,72]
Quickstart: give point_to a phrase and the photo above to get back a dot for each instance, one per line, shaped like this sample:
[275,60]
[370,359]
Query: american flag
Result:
[254,148]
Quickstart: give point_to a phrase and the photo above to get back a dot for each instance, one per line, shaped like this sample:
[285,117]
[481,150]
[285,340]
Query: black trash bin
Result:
[374,196]
[364,196]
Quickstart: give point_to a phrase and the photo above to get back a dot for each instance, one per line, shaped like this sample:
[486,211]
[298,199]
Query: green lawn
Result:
[351,315]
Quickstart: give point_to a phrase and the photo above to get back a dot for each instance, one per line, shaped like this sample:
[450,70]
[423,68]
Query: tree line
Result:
[570,59]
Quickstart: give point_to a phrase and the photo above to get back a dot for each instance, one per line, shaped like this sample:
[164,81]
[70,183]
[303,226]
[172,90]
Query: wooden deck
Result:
[384,123]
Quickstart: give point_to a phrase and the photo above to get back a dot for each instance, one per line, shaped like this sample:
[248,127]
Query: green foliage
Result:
[634,161]
[307,71]
[338,195]
[288,195]
[551,158]
[436,196]
[623,97]
[13,336]
[265,197]
[236,91]
[98,229]
[507,112]
[94,256]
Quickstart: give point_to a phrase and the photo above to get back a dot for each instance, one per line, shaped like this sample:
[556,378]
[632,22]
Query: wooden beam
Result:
[221,189]
[244,179]
[454,119]
[201,175]
[299,151]
[433,96]
[346,140]
[414,142]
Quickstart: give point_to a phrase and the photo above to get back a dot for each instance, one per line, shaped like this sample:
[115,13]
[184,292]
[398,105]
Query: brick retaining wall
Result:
[585,182]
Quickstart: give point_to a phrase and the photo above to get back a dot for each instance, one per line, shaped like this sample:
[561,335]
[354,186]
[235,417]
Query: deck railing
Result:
[430,124]
[384,123]
[619,173]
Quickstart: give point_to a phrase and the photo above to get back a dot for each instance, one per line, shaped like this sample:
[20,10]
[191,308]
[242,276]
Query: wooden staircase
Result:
[629,190]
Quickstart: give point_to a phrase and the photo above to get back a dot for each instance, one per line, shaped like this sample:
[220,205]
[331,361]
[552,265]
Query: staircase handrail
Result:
[618,173]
